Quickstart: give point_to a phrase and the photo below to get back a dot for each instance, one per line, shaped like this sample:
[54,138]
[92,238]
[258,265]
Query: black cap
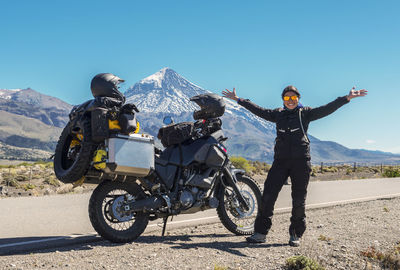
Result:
[290,88]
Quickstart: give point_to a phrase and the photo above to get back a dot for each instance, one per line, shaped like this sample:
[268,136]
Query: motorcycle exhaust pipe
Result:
[147,204]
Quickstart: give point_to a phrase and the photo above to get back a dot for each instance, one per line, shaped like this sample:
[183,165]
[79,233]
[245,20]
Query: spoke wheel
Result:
[232,214]
[107,215]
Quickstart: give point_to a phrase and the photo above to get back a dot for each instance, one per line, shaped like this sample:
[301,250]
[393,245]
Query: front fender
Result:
[234,171]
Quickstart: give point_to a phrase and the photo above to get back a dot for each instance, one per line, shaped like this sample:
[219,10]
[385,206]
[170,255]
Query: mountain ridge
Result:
[163,93]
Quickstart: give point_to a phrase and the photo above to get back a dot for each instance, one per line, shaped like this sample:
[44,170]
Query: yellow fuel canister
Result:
[99,159]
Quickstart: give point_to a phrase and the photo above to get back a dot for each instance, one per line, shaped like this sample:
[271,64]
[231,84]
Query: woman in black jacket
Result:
[291,156]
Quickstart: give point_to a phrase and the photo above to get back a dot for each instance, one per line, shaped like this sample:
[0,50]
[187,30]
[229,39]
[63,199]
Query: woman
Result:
[291,157]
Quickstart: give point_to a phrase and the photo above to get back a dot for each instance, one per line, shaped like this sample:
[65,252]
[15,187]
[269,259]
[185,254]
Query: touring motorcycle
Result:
[139,182]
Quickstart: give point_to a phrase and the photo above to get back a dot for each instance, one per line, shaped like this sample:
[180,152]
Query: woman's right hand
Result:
[230,94]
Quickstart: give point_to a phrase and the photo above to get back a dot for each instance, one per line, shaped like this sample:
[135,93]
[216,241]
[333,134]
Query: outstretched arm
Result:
[322,111]
[267,114]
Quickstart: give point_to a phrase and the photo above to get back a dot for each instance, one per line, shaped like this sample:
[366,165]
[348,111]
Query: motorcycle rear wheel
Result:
[232,215]
[111,223]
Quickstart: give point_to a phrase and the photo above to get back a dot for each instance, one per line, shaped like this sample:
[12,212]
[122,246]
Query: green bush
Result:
[331,169]
[302,262]
[391,172]
[26,187]
[240,162]
[251,167]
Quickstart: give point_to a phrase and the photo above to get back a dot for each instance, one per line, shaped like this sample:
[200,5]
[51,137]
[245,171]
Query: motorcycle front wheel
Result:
[232,214]
[107,215]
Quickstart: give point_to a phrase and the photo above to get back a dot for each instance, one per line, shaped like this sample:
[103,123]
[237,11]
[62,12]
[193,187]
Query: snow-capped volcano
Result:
[167,92]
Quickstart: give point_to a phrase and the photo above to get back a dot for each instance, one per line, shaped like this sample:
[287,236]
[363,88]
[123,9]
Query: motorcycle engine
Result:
[195,184]
[187,197]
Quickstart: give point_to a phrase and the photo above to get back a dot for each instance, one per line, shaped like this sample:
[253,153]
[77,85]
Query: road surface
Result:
[38,222]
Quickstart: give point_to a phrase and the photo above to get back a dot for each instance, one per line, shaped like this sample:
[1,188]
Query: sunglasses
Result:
[286,98]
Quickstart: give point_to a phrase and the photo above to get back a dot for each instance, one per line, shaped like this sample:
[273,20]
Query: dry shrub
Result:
[302,262]
[389,259]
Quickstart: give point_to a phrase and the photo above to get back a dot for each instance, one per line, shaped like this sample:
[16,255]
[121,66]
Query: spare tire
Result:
[74,152]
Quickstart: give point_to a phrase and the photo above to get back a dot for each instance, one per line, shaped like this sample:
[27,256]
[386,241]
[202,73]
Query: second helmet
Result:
[106,85]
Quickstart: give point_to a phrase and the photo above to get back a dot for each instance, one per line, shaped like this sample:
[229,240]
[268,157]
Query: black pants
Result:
[299,172]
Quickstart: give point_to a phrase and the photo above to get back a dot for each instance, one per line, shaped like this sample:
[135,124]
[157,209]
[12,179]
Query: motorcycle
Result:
[139,182]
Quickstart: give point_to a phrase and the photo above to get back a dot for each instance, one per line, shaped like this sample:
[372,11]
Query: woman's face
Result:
[292,100]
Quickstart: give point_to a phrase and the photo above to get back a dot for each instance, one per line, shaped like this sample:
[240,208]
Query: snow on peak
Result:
[8,93]
[168,92]
[155,79]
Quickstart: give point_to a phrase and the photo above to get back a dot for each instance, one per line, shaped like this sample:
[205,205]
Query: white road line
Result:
[47,240]
[355,200]
[206,218]
[33,242]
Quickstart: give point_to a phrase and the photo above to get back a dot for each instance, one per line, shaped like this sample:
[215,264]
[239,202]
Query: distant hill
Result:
[21,153]
[21,131]
[30,103]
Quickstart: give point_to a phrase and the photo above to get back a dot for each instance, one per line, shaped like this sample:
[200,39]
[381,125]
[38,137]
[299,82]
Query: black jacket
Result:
[290,140]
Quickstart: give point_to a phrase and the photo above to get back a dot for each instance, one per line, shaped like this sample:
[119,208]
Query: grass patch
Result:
[53,181]
[324,238]
[219,267]
[302,262]
[27,187]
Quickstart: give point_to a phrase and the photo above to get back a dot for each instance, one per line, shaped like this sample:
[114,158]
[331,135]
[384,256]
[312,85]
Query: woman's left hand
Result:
[356,93]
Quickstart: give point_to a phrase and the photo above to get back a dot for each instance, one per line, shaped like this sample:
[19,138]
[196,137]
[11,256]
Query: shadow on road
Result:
[32,245]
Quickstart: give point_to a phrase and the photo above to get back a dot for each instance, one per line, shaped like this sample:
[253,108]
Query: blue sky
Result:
[259,47]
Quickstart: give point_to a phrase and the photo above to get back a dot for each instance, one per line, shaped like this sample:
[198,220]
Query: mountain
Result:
[168,93]
[30,103]
[30,122]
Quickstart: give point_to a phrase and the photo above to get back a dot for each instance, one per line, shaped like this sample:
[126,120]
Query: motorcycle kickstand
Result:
[165,224]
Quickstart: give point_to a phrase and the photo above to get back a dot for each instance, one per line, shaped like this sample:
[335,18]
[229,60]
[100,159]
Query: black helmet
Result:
[106,85]
[211,106]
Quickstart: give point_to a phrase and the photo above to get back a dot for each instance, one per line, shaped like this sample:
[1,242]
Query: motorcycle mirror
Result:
[168,120]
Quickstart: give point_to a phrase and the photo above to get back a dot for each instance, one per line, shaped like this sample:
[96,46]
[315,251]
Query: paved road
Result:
[64,218]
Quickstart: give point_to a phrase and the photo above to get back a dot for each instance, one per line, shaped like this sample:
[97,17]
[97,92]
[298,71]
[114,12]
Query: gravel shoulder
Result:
[335,238]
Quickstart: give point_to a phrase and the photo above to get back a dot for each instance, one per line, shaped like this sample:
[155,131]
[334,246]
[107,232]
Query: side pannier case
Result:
[130,155]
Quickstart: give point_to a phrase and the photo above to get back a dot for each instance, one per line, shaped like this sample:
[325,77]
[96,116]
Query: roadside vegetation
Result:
[31,179]
[325,171]
[38,178]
